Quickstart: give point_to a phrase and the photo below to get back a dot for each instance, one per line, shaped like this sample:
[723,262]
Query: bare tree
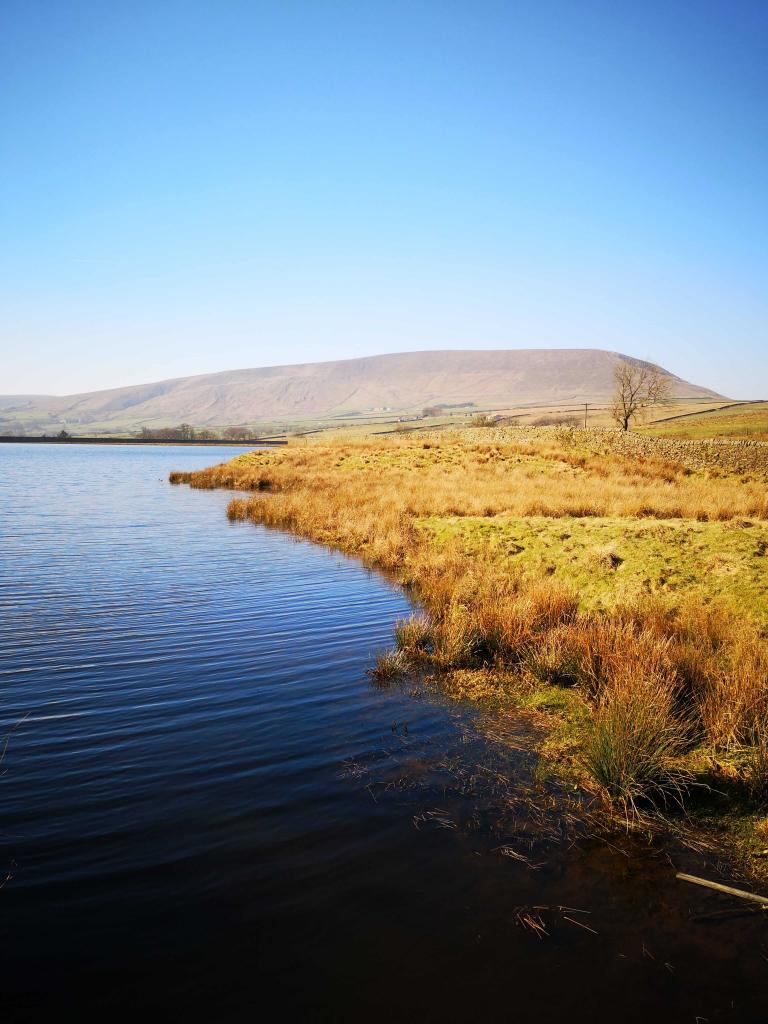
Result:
[637,387]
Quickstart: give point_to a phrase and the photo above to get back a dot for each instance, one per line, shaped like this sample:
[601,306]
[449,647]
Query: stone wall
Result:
[731,456]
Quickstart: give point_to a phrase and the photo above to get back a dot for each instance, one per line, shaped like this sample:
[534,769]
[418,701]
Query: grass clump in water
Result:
[413,636]
[389,667]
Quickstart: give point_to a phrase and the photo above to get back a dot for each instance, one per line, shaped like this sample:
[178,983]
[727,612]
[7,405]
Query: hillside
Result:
[404,381]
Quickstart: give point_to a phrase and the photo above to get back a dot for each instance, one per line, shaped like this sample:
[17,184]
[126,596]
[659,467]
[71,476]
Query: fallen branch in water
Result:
[762,900]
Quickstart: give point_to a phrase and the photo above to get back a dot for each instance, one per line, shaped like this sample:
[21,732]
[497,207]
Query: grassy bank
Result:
[622,597]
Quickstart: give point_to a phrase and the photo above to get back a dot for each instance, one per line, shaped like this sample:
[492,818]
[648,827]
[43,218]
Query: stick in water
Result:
[762,900]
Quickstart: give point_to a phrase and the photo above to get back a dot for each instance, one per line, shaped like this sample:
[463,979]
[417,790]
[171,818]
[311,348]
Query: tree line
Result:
[186,432]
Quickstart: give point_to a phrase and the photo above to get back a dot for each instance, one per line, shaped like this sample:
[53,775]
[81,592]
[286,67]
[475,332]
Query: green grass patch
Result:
[611,561]
[746,422]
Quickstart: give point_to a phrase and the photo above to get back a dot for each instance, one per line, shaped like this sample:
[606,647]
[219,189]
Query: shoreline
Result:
[493,636]
[144,441]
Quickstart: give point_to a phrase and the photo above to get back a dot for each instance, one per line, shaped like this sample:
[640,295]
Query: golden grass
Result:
[659,677]
[635,739]
[451,478]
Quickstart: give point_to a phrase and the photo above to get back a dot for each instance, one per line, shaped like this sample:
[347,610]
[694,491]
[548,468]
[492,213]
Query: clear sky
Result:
[194,186]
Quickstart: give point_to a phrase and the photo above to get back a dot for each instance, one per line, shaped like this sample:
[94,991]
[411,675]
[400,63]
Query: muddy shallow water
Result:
[207,808]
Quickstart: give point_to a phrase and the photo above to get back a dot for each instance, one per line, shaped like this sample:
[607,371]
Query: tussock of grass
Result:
[757,769]
[554,660]
[413,636]
[389,667]
[635,741]
[646,609]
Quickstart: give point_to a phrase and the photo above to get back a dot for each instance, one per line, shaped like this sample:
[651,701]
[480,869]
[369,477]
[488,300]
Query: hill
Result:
[404,381]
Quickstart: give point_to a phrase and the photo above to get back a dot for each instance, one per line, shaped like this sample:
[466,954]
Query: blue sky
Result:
[198,186]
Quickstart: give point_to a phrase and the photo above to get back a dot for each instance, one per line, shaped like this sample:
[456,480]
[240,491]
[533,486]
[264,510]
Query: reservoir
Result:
[207,809]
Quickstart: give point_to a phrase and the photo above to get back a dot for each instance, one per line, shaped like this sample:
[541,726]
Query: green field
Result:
[748,421]
[610,561]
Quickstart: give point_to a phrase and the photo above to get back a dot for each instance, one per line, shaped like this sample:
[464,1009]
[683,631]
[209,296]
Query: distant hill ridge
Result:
[401,381]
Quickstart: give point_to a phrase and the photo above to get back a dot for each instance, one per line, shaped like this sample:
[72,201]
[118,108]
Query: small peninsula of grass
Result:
[621,597]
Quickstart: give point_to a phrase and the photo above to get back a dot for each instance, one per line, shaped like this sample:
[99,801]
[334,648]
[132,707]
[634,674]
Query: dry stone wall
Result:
[731,456]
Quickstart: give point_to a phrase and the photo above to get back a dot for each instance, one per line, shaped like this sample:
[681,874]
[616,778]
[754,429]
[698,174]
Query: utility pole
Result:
[586,407]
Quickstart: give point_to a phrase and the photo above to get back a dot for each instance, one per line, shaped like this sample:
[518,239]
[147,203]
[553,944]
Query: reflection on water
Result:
[206,807]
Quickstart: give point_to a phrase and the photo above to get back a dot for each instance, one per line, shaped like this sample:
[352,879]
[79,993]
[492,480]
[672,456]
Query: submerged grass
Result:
[623,598]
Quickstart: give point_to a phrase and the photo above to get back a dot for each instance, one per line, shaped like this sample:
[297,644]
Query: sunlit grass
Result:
[614,560]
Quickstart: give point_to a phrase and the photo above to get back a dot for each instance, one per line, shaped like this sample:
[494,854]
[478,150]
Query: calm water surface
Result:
[207,810]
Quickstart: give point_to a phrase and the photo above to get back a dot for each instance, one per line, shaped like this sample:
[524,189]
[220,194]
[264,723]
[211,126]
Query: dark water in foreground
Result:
[207,811]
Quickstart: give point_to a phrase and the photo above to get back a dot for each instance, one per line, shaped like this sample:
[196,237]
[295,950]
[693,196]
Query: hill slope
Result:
[403,381]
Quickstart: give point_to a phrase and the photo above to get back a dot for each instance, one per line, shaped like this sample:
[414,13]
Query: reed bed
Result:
[660,679]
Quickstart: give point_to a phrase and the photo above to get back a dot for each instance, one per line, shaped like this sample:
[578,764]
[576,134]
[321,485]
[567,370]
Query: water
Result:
[206,808]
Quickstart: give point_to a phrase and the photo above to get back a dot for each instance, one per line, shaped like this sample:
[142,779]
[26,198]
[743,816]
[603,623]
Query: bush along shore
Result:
[613,590]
